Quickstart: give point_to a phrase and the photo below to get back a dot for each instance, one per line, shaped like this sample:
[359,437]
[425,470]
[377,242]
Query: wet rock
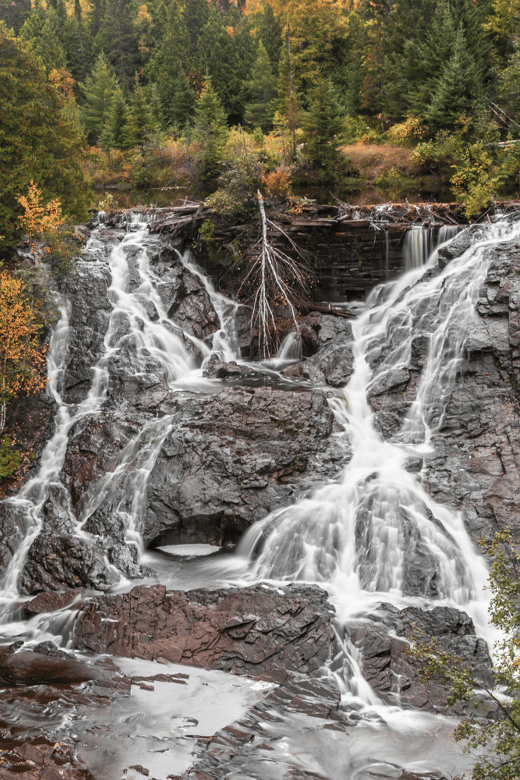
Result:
[250,376]
[14,524]
[254,630]
[39,759]
[50,602]
[184,296]
[25,668]
[333,363]
[30,424]
[89,315]
[56,561]
[397,677]
[252,747]
[231,458]
[58,558]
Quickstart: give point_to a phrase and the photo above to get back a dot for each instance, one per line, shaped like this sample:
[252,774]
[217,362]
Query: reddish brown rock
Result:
[50,602]
[253,630]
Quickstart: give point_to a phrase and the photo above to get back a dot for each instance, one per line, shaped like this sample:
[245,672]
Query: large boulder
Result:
[254,630]
[397,677]
[232,458]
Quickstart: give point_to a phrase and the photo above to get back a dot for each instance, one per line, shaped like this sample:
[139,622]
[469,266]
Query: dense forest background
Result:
[152,90]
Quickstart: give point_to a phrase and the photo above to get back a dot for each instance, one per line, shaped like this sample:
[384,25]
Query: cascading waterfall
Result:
[420,241]
[139,323]
[356,536]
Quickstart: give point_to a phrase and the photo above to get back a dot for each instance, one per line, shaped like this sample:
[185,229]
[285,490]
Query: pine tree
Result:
[14,14]
[226,54]
[156,109]
[287,105]
[210,130]
[117,39]
[36,142]
[169,56]
[140,121]
[457,89]
[262,91]
[269,31]
[432,56]
[184,99]
[98,91]
[321,126]
[42,31]
[114,135]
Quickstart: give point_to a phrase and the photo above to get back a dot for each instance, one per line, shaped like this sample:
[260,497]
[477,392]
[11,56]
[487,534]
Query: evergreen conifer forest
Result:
[318,92]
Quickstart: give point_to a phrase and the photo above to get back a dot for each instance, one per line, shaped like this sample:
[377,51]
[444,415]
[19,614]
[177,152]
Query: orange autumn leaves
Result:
[22,359]
[39,220]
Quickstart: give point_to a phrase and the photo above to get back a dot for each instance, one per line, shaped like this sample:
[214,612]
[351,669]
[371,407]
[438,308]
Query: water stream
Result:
[354,536]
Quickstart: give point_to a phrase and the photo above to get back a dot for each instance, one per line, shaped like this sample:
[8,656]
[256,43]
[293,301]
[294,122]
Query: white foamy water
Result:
[355,536]
[140,326]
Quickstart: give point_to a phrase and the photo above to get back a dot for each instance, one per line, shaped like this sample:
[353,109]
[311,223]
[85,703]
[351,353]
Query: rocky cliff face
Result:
[152,459]
[475,465]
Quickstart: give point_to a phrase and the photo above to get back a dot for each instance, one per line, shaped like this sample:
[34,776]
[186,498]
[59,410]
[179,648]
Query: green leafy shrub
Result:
[240,178]
[494,743]
[10,458]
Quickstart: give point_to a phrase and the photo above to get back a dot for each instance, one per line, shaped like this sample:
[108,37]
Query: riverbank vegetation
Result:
[491,727]
[395,94]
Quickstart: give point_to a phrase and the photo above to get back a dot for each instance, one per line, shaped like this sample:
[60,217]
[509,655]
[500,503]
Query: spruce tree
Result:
[210,130]
[117,39]
[36,141]
[140,121]
[457,89]
[270,33]
[156,110]
[321,127]
[262,91]
[169,56]
[184,99]
[14,14]
[98,91]
[226,54]
[114,135]
[432,55]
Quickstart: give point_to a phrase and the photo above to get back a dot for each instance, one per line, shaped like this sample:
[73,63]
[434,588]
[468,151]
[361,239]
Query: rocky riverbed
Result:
[164,436]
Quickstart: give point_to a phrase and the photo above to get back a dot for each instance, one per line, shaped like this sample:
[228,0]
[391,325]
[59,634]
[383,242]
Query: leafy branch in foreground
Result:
[496,742]
[49,234]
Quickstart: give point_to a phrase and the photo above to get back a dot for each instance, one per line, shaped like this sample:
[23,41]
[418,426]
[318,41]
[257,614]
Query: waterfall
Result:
[140,325]
[357,536]
[420,241]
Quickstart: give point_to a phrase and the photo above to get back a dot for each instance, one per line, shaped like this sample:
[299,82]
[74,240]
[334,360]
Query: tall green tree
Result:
[36,141]
[182,110]
[117,38]
[170,55]
[322,126]
[140,121]
[114,133]
[226,53]
[14,14]
[262,90]
[98,90]
[457,89]
[42,31]
[210,130]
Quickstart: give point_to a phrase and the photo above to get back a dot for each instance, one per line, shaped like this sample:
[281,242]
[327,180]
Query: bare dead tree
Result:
[274,280]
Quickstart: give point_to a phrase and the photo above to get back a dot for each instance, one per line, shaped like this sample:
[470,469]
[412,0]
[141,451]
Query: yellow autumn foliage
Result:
[22,359]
